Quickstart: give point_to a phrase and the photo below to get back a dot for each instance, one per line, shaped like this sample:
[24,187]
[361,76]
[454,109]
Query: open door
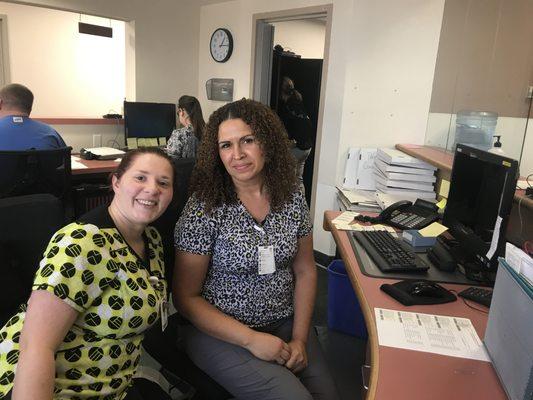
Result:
[263,61]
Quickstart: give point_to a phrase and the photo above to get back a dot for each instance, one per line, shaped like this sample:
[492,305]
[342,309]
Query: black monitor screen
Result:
[482,189]
[149,120]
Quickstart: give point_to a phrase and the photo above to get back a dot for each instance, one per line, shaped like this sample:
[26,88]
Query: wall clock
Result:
[221,45]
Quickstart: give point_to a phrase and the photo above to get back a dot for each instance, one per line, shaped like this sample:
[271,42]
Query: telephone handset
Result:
[395,208]
[406,215]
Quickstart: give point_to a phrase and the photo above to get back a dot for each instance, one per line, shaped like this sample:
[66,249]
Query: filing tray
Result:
[509,338]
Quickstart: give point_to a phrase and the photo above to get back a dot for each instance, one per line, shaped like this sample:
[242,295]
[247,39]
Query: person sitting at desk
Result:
[99,286]
[17,130]
[183,142]
[245,275]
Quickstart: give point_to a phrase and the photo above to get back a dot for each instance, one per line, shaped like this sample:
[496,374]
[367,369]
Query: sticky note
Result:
[152,142]
[131,143]
[433,230]
[441,204]
[162,141]
[142,142]
[444,188]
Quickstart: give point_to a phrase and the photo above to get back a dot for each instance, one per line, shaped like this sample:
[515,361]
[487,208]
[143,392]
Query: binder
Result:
[406,194]
[359,169]
[400,176]
[412,184]
[397,157]
[384,167]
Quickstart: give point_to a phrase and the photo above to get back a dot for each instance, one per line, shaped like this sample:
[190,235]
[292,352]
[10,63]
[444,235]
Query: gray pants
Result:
[301,157]
[248,378]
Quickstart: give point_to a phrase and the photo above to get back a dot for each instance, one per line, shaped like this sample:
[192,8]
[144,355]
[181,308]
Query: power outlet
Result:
[97,140]
[529,92]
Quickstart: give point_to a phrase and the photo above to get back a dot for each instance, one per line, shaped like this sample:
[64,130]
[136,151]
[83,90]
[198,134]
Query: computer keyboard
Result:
[389,253]
[477,295]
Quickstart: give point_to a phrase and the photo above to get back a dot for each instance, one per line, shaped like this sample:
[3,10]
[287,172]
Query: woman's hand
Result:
[268,347]
[298,358]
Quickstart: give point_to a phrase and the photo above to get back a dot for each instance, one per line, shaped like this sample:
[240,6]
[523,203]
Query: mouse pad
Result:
[369,268]
[401,291]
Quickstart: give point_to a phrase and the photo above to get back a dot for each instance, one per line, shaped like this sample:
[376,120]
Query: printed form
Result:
[449,336]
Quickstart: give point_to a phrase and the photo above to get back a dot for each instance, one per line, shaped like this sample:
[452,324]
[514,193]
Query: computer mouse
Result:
[426,289]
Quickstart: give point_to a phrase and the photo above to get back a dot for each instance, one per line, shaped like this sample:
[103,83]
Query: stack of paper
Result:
[401,175]
[357,200]
[346,222]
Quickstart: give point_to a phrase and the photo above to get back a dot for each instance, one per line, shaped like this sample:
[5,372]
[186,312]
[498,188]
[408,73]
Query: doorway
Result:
[4,59]
[301,39]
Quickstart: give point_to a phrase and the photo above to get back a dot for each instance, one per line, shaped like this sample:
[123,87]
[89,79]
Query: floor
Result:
[345,354]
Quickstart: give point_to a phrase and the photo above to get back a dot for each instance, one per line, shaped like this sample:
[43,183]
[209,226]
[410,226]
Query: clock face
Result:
[221,45]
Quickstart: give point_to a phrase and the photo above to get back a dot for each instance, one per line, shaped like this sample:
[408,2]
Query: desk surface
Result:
[95,166]
[411,375]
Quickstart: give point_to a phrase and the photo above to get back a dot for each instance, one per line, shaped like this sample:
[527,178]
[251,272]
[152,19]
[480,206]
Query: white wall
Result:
[380,74]
[165,41]
[81,136]
[305,37]
[70,74]
[162,61]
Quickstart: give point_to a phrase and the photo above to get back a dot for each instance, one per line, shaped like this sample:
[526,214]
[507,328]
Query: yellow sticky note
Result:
[131,143]
[444,188]
[142,142]
[152,142]
[433,230]
[441,204]
[162,141]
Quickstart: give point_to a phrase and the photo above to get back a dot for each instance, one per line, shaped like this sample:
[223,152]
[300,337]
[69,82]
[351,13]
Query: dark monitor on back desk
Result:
[149,120]
[479,204]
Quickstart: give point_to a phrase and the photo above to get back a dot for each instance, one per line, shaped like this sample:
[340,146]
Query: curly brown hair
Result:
[210,181]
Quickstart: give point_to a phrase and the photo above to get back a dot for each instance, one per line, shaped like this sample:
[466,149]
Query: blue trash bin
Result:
[344,313]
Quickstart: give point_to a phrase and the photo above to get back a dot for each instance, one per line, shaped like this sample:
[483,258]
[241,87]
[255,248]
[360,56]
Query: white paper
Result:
[522,184]
[358,196]
[518,260]
[76,164]
[345,218]
[495,238]
[449,336]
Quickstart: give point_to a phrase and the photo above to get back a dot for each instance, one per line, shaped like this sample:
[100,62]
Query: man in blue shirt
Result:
[17,130]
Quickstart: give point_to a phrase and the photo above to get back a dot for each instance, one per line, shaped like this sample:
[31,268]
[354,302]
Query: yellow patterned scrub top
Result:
[90,266]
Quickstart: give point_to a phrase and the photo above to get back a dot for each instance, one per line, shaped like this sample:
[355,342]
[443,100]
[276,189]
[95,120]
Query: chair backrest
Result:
[165,223]
[35,171]
[27,224]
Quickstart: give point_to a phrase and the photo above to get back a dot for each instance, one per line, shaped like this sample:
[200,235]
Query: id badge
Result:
[164,314]
[267,264]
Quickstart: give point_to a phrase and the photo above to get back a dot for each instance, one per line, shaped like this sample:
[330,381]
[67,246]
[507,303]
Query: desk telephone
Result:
[406,215]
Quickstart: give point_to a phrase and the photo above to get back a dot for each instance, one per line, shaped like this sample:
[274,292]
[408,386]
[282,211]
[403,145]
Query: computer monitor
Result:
[479,203]
[149,120]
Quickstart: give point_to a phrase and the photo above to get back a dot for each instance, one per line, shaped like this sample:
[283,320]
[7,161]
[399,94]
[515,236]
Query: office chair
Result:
[28,223]
[167,221]
[36,171]
[164,346]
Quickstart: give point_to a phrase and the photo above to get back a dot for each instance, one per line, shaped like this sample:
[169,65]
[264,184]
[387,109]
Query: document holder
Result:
[508,338]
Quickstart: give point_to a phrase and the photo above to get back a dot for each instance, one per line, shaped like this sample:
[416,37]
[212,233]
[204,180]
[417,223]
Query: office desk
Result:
[398,374]
[95,167]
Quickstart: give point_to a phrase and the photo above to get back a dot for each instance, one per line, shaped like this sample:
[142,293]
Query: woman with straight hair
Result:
[184,141]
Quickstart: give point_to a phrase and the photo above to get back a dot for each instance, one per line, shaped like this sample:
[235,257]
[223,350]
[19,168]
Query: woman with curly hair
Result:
[245,275]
